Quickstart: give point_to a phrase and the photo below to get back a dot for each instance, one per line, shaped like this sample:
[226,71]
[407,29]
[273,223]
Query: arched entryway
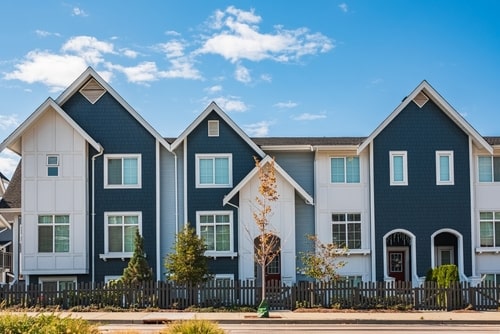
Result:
[273,267]
[399,255]
[447,248]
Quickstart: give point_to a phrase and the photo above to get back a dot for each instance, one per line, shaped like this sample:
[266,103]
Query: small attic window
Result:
[421,99]
[213,128]
[92,91]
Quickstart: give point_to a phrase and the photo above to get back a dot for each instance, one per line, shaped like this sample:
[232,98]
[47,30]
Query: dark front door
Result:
[273,269]
[397,265]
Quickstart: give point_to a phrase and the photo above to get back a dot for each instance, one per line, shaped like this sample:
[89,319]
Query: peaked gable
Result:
[420,96]
[213,107]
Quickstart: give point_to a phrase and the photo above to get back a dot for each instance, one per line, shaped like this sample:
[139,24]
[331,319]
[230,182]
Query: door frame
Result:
[406,251]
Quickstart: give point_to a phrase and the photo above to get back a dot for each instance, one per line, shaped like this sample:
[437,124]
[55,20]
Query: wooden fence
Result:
[166,295]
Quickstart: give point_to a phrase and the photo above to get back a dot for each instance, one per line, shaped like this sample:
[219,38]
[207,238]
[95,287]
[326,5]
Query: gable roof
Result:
[308,198]
[214,107]
[91,73]
[13,141]
[432,94]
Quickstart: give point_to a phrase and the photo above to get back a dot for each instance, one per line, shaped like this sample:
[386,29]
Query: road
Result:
[320,328]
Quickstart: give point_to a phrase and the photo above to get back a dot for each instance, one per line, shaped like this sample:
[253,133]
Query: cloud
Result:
[242,74]
[230,104]
[286,105]
[343,7]
[79,12]
[89,48]
[213,89]
[8,163]
[266,77]
[129,53]
[259,129]
[172,49]
[309,117]
[43,33]
[237,37]
[7,122]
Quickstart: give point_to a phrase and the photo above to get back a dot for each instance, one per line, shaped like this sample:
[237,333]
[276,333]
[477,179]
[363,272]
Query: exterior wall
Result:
[422,207]
[344,198]
[119,133]
[62,194]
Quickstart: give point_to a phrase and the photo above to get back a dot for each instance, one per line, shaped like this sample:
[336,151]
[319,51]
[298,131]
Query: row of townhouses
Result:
[423,189]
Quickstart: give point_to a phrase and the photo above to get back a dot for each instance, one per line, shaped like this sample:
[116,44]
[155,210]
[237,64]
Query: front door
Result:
[273,269]
[397,267]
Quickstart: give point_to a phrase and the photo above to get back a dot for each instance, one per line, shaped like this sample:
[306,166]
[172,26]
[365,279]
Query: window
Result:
[214,171]
[122,171]
[346,230]
[445,255]
[53,233]
[344,170]
[489,169]
[352,280]
[216,230]
[213,128]
[444,168]
[398,167]
[120,232]
[489,229]
[52,165]
[494,278]
[62,283]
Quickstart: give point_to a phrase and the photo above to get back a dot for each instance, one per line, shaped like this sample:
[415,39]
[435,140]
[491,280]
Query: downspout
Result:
[176,218]
[101,151]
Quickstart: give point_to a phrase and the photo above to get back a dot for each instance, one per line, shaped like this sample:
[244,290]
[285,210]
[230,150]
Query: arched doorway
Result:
[447,248]
[273,263]
[398,251]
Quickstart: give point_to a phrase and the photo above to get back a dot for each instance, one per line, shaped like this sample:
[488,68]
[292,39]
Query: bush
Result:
[193,327]
[44,324]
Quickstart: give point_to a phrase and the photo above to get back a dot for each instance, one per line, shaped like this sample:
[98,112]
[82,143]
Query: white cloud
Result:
[172,33]
[266,77]
[286,105]
[231,104]
[8,162]
[242,74]
[8,122]
[259,129]
[343,7]
[141,73]
[129,53]
[213,89]
[89,48]
[43,33]
[172,49]
[79,12]
[309,117]
[237,37]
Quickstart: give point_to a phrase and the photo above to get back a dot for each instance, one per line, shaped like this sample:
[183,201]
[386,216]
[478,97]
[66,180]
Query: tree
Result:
[322,263]
[138,269]
[267,246]
[188,263]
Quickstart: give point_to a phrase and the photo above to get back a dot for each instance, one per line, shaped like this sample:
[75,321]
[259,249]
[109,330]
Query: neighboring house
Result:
[422,190]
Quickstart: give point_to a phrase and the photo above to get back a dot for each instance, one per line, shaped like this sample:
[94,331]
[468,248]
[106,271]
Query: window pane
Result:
[222,218]
[45,241]
[486,234]
[221,171]
[206,171]
[128,240]
[352,169]
[484,164]
[207,234]
[444,168]
[338,217]
[222,237]
[61,219]
[206,219]
[337,172]
[131,220]
[486,215]
[114,220]
[397,168]
[52,171]
[114,171]
[62,238]
[354,236]
[44,219]
[52,160]
[339,235]
[115,239]
[496,169]
[130,171]
[497,234]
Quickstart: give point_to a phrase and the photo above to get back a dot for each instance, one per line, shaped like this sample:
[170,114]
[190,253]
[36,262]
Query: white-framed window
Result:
[346,230]
[398,168]
[214,171]
[491,277]
[57,283]
[344,169]
[216,230]
[52,165]
[119,233]
[444,168]
[213,128]
[122,171]
[352,280]
[445,255]
[53,233]
[489,229]
[488,169]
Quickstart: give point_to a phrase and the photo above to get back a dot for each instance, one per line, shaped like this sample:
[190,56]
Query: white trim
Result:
[392,155]
[439,251]
[413,254]
[345,157]
[214,156]
[213,128]
[158,204]
[122,185]
[451,168]
[120,255]
[215,253]
[460,250]
[406,251]
[473,231]
[372,218]
[57,279]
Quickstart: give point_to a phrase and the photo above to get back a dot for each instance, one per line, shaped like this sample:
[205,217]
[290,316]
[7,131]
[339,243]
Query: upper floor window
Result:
[444,168]
[489,229]
[346,230]
[344,170]
[398,168]
[52,165]
[213,128]
[53,233]
[120,232]
[214,170]
[122,171]
[216,230]
[489,169]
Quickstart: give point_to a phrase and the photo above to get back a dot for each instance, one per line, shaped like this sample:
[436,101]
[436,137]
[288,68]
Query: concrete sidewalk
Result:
[288,317]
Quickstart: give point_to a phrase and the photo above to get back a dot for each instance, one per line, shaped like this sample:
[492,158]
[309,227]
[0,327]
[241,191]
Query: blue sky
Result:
[278,68]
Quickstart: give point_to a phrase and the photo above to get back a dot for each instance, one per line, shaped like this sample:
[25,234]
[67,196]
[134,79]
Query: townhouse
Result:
[421,190]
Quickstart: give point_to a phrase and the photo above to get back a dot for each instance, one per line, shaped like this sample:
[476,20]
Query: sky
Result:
[277,68]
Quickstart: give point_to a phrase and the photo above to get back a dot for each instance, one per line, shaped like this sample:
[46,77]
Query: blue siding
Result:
[300,166]
[304,225]
[118,132]
[422,207]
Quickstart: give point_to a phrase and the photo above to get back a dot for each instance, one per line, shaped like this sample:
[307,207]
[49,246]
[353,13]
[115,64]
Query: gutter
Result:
[101,151]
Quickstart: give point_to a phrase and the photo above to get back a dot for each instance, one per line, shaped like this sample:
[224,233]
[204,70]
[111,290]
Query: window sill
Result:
[122,256]
[481,250]
[215,255]
[360,251]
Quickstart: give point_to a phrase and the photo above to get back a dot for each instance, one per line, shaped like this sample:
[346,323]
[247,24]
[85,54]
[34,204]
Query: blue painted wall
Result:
[118,132]
[422,207]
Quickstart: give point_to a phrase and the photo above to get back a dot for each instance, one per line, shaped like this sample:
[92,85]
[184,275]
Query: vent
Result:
[213,128]
[92,91]
[421,99]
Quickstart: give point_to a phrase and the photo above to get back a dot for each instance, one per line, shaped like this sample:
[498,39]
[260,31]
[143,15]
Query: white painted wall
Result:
[64,194]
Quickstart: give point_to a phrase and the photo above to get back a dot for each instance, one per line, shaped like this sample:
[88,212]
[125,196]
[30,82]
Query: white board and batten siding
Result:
[64,194]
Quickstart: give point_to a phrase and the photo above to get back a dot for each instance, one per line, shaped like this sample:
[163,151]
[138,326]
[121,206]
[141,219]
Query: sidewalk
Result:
[288,317]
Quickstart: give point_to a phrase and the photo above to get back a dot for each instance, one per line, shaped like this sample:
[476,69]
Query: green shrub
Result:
[44,324]
[193,327]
